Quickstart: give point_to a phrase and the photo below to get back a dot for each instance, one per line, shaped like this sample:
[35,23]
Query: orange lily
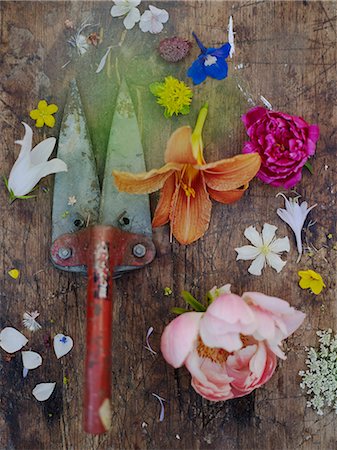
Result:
[187,182]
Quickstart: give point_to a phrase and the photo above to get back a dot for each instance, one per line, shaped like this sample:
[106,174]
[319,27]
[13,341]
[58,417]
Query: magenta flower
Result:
[284,143]
[230,349]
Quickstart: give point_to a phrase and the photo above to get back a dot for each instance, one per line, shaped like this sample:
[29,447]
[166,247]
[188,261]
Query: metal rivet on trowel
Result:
[64,253]
[139,250]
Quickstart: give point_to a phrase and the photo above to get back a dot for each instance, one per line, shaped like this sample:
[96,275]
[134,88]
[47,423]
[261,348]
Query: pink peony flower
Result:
[284,143]
[227,349]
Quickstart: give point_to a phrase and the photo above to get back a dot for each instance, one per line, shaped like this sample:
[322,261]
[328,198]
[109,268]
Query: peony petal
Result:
[31,360]
[231,173]
[42,151]
[280,245]
[274,304]
[253,115]
[43,391]
[62,345]
[179,147]
[227,197]
[257,265]
[163,209]
[275,261]
[179,337]
[132,18]
[144,183]
[190,215]
[253,236]
[268,233]
[247,252]
[11,340]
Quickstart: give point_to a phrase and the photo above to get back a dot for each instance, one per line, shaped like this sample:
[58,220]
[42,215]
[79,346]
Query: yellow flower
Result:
[44,114]
[311,280]
[174,95]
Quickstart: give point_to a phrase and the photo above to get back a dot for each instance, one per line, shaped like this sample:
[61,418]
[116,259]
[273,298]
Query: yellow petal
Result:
[14,273]
[144,183]
[304,274]
[39,123]
[305,283]
[52,109]
[34,114]
[49,121]
[316,287]
[42,106]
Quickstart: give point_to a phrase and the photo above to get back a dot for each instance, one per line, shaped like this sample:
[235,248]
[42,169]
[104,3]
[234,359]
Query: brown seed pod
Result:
[174,49]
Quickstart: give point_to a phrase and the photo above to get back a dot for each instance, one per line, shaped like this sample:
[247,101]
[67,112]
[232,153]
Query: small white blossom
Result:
[72,200]
[127,8]
[29,321]
[294,215]
[152,20]
[265,249]
[32,164]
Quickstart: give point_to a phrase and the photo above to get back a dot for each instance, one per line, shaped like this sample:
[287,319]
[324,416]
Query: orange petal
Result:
[231,173]
[227,196]
[162,212]
[190,216]
[146,182]
[179,147]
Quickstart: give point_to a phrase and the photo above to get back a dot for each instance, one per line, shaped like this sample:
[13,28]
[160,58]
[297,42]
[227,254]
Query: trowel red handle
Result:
[97,403]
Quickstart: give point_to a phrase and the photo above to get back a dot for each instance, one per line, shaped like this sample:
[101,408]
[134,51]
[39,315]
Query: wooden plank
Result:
[288,52]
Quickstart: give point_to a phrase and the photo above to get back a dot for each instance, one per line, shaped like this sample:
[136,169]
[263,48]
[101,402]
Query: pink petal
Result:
[253,115]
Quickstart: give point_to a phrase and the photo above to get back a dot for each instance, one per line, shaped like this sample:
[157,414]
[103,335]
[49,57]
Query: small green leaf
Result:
[178,311]
[155,88]
[308,166]
[197,306]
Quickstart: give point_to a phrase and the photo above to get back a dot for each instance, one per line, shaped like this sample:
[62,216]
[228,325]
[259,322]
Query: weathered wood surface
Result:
[289,54]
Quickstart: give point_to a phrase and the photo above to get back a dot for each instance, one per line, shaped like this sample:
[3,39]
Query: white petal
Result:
[11,340]
[257,265]
[268,233]
[156,27]
[53,166]
[275,261]
[145,21]
[119,10]
[132,18]
[280,245]
[31,360]
[26,142]
[247,252]
[285,216]
[19,181]
[103,61]
[62,345]
[42,151]
[253,236]
[160,14]
[43,391]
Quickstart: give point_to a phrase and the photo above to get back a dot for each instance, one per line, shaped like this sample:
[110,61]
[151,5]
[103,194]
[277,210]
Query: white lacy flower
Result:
[294,215]
[265,249]
[128,9]
[32,164]
[29,321]
[152,20]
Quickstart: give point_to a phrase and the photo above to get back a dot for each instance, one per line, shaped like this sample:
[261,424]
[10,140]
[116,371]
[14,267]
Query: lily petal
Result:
[146,182]
[280,245]
[268,233]
[231,173]
[26,142]
[275,261]
[257,265]
[253,236]
[42,151]
[227,197]
[247,252]
[190,215]
[179,147]
[163,209]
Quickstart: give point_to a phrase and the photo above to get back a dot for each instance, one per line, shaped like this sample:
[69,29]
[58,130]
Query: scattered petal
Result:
[62,345]
[231,37]
[148,346]
[167,291]
[29,321]
[24,372]
[72,200]
[11,340]
[43,391]
[31,360]
[162,408]
[14,273]
[102,63]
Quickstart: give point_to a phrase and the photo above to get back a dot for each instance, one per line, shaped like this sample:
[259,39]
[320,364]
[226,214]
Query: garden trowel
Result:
[101,232]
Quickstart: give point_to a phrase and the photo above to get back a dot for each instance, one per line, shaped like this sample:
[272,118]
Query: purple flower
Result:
[284,143]
[210,63]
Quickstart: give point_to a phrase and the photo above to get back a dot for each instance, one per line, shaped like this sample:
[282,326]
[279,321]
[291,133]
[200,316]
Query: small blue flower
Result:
[210,63]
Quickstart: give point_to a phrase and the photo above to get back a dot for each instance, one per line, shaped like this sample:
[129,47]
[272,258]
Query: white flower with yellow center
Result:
[265,249]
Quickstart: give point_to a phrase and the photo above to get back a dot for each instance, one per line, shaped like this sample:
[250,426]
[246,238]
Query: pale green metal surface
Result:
[81,180]
[125,152]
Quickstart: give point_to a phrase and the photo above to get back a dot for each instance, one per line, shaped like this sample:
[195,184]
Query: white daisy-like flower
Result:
[29,321]
[265,249]
[152,20]
[294,215]
[127,8]
[72,200]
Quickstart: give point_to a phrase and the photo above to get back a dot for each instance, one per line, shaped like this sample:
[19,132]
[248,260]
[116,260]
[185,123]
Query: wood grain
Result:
[288,52]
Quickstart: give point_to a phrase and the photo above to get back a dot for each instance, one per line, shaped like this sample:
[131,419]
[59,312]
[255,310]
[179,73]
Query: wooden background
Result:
[288,52]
